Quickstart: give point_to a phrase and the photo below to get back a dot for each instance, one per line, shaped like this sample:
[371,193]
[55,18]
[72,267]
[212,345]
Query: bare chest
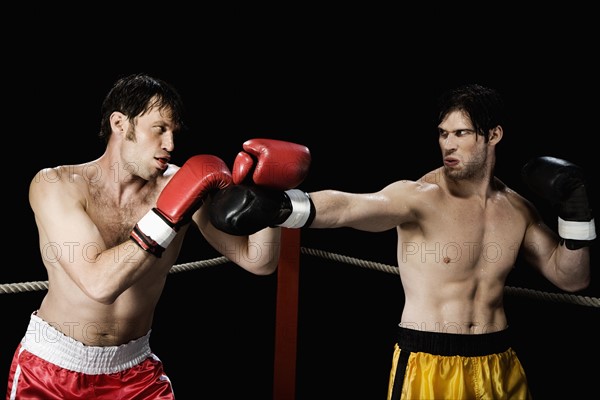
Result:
[115,220]
[466,236]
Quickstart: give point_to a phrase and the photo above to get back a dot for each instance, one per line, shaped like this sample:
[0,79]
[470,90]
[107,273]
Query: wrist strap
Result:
[153,226]
[578,230]
[301,209]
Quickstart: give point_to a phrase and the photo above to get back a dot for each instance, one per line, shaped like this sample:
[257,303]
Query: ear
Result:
[118,122]
[496,135]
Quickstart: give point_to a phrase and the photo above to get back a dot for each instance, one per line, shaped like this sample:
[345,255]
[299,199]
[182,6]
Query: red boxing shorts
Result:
[50,365]
[432,365]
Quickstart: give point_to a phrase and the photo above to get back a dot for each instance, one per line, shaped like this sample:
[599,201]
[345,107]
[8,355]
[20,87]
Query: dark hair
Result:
[136,94]
[484,106]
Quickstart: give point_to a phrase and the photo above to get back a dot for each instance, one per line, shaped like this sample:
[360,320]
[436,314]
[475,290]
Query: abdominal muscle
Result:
[67,309]
[94,324]
[453,319]
[454,297]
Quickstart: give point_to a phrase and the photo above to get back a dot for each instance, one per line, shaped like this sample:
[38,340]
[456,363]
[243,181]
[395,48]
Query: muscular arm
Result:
[567,269]
[71,242]
[372,212]
[562,257]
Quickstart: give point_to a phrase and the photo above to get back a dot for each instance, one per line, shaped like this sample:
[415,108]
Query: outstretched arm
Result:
[244,208]
[372,212]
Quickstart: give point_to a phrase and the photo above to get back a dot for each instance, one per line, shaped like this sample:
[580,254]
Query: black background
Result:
[359,91]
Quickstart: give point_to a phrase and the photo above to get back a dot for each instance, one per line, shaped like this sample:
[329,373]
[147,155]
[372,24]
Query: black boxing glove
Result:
[245,209]
[563,184]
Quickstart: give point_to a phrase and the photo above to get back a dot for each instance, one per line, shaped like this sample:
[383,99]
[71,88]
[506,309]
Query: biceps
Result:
[540,244]
[69,237]
[371,213]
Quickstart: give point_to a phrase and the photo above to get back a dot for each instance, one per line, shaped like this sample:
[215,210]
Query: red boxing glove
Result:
[271,163]
[179,199]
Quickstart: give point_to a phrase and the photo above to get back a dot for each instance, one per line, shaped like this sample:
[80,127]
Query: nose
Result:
[168,142]
[448,142]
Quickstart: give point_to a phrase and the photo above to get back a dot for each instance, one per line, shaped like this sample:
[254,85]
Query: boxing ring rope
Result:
[286,317]
[43,285]
[33,286]
[555,297]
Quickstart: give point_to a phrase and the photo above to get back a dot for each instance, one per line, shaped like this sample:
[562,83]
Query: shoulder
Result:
[428,183]
[407,186]
[499,188]
[55,177]
[434,178]
[58,183]
[414,193]
[514,199]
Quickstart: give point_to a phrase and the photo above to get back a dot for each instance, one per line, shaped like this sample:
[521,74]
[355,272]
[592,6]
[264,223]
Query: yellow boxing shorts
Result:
[433,365]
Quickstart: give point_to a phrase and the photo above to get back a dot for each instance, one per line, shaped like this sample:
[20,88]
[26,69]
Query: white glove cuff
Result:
[156,228]
[576,230]
[300,209]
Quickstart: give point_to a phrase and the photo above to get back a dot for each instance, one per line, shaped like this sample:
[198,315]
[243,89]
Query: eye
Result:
[463,132]
[160,129]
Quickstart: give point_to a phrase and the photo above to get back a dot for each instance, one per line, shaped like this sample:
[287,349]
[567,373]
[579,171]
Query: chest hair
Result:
[115,219]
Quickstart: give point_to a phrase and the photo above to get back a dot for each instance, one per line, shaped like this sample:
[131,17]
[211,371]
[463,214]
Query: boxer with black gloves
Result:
[564,185]
[266,174]
[460,230]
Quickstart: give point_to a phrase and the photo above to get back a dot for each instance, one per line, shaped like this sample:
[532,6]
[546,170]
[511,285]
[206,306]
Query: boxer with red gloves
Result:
[109,232]
[183,195]
[266,174]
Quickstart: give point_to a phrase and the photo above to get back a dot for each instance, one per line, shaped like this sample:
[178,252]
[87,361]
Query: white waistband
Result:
[46,342]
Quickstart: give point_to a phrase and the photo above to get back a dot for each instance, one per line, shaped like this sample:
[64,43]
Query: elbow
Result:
[262,269]
[101,294]
[104,299]
[580,287]
[267,269]
[577,286]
